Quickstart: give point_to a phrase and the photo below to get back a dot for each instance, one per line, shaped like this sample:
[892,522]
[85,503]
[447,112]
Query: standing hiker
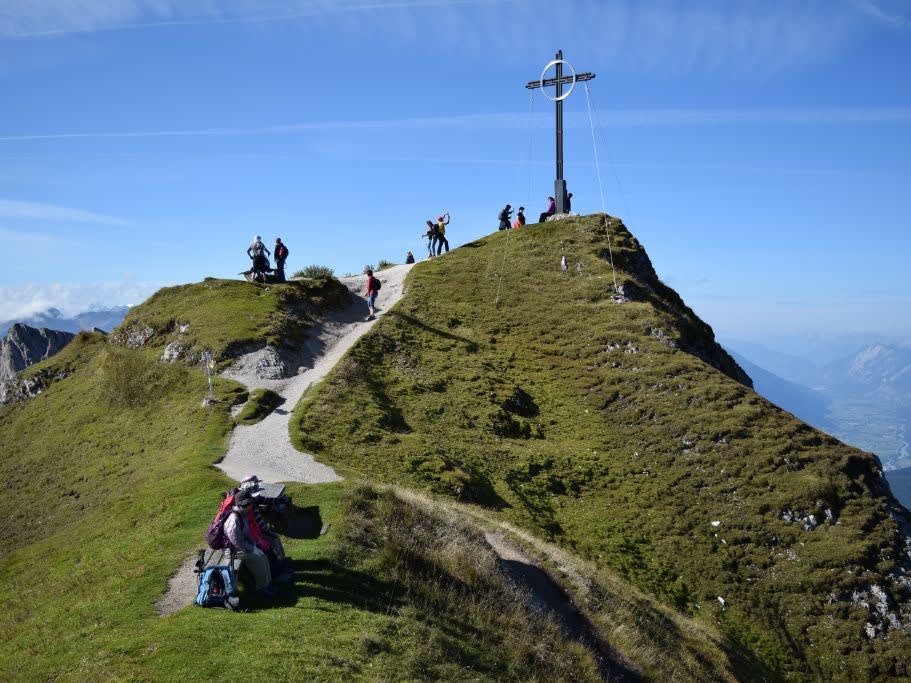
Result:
[431,236]
[373,287]
[281,253]
[257,252]
[442,222]
[503,217]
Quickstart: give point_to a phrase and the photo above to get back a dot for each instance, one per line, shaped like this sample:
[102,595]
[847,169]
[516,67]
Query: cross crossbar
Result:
[565,80]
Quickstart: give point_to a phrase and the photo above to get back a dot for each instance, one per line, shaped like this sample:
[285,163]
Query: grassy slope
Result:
[577,419]
[110,487]
[224,315]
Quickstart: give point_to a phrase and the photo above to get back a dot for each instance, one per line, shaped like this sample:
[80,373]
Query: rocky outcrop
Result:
[24,346]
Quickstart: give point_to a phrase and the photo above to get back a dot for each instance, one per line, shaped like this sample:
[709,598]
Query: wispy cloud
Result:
[18,237]
[508,120]
[30,19]
[875,11]
[666,35]
[48,212]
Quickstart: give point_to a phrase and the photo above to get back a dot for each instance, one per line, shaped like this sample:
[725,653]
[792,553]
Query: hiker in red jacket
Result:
[372,290]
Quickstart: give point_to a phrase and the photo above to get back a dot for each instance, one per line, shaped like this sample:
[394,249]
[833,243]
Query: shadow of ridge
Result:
[327,580]
[435,330]
[303,522]
[546,596]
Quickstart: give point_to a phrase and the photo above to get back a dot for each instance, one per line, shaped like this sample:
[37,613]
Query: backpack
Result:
[377,284]
[216,587]
[281,251]
[215,534]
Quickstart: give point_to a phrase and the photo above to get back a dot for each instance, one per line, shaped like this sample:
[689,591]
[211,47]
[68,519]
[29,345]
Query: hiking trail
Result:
[265,449]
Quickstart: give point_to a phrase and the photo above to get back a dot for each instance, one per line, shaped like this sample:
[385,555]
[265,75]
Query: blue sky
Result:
[759,150]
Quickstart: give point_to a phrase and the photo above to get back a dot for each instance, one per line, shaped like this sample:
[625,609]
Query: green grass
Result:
[259,404]
[111,487]
[223,316]
[614,431]
[618,432]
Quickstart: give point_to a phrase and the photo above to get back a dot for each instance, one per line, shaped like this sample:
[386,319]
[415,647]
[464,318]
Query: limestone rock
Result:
[24,346]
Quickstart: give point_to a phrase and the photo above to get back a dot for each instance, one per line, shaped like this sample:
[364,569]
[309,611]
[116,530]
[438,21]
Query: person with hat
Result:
[238,534]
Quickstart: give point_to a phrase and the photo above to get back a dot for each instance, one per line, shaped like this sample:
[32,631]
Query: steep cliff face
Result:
[24,346]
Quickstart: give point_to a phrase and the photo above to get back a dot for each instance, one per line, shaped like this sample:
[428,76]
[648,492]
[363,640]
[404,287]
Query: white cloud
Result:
[48,212]
[70,299]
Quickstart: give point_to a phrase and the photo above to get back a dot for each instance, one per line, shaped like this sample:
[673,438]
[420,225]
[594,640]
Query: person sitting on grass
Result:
[246,552]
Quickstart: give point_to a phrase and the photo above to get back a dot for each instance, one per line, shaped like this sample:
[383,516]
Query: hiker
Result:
[409,257]
[442,222]
[549,211]
[503,216]
[266,540]
[431,236]
[520,218]
[281,253]
[569,202]
[372,290]
[257,252]
[238,534]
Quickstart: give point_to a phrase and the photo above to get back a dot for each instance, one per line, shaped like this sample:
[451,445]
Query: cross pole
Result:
[559,81]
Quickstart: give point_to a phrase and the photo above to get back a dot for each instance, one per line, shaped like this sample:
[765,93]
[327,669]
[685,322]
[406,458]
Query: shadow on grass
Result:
[548,597]
[327,580]
[303,522]
[470,345]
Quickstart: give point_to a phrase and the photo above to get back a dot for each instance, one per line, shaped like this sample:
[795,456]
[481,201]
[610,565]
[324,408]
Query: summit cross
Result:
[559,81]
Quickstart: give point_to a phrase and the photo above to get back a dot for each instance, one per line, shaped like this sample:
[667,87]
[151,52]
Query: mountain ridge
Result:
[620,433]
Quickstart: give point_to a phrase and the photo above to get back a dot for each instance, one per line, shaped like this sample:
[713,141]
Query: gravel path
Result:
[265,448]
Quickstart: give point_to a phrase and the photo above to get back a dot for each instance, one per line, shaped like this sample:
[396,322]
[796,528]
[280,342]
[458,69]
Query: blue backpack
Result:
[216,588]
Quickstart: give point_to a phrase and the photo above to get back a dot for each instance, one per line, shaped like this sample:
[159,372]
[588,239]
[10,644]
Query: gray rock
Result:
[24,346]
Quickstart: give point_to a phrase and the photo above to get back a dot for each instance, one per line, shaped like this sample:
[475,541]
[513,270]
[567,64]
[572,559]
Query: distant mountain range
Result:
[863,398]
[103,318]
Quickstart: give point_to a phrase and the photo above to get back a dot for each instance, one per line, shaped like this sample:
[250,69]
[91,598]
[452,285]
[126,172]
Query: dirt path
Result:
[265,448]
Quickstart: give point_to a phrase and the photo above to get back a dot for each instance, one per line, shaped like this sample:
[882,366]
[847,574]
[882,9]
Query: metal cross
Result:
[559,81]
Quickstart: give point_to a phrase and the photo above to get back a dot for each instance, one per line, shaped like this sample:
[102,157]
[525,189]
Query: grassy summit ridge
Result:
[110,487]
[624,433]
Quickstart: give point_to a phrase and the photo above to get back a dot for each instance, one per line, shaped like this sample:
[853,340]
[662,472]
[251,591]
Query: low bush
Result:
[260,403]
[315,272]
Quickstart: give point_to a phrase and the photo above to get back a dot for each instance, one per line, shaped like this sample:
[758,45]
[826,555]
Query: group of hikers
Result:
[436,236]
[505,215]
[259,254]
